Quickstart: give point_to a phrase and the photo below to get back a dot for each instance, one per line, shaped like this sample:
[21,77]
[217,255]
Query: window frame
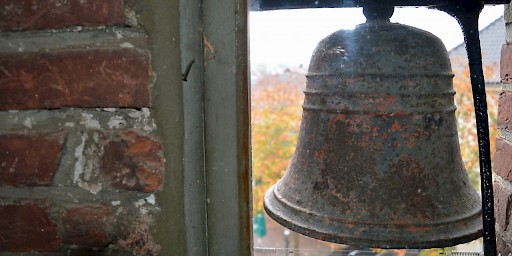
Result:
[216,111]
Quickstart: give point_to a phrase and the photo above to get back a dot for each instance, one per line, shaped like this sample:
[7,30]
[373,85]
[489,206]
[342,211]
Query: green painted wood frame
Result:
[205,124]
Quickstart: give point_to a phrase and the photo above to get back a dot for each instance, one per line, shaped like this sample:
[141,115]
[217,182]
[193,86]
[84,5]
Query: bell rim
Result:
[477,212]
[286,216]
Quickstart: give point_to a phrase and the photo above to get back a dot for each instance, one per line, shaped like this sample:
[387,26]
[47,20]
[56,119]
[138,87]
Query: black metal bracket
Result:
[467,13]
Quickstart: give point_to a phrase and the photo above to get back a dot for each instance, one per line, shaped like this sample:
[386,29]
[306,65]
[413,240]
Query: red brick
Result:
[87,226]
[506,63]
[503,159]
[50,14]
[136,238]
[75,78]
[134,161]
[502,199]
[29,159]
[27,227]
[505,111]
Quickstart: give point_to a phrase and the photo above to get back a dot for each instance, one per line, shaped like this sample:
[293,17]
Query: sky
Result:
[288,38]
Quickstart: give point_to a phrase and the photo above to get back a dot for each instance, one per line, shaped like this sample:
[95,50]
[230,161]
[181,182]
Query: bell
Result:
[378,162]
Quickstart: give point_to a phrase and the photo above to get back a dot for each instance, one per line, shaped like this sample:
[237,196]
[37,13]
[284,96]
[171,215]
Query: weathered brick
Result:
[508,13]
[506,63]
[133,161]
[505,111]
[502,247]
[502,200]
[75,78]
[29,159]
[136,238]
[87,226]
[503,159]
[50,14]
[27,227]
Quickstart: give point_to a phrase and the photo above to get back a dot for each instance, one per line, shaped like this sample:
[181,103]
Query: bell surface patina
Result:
[378,162]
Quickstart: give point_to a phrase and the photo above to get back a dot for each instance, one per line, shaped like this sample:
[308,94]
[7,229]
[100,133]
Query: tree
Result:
[465,114]
[276,113]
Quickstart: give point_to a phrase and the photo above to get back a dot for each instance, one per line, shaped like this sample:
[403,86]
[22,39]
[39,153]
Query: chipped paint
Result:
[151,199]
[116,122]
[209,50]
[131,17]
[89,122]
[80,160]
[127,45]
[143,119]
[28,122]
[135,114]
[87,164]
[69,124]
[13,166]
[139,203]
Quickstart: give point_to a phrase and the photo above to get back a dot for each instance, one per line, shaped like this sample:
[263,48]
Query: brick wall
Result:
[503,155]
[80,158]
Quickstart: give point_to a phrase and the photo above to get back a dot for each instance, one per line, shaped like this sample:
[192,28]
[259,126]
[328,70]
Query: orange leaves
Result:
[466,124]
[276,109]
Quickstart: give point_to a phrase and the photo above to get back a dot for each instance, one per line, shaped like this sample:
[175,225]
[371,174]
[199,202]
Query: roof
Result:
[492,38]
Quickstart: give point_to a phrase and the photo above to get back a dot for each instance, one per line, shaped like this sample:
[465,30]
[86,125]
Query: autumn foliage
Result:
[466,124]
[276,113]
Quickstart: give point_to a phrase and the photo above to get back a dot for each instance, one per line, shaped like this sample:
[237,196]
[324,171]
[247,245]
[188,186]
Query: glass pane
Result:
[281,45]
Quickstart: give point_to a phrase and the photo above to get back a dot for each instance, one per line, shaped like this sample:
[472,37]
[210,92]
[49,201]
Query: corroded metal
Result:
[377,161]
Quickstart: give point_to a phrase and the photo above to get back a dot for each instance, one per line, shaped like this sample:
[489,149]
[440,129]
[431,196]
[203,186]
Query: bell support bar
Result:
[264,5]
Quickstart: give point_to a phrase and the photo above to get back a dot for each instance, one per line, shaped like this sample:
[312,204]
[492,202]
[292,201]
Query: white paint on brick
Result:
[116,203]
[135,114]
[151,199]
[116,122]
[143,119]
[80,160]
[89,121]
[69,124]
[131,17]
[127,45]
[505,135]
[91,166]
[149,124]
[145,112]
[28,122]
[119,34]
[13,166]
[93,188]
[506,87]
[139,203]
